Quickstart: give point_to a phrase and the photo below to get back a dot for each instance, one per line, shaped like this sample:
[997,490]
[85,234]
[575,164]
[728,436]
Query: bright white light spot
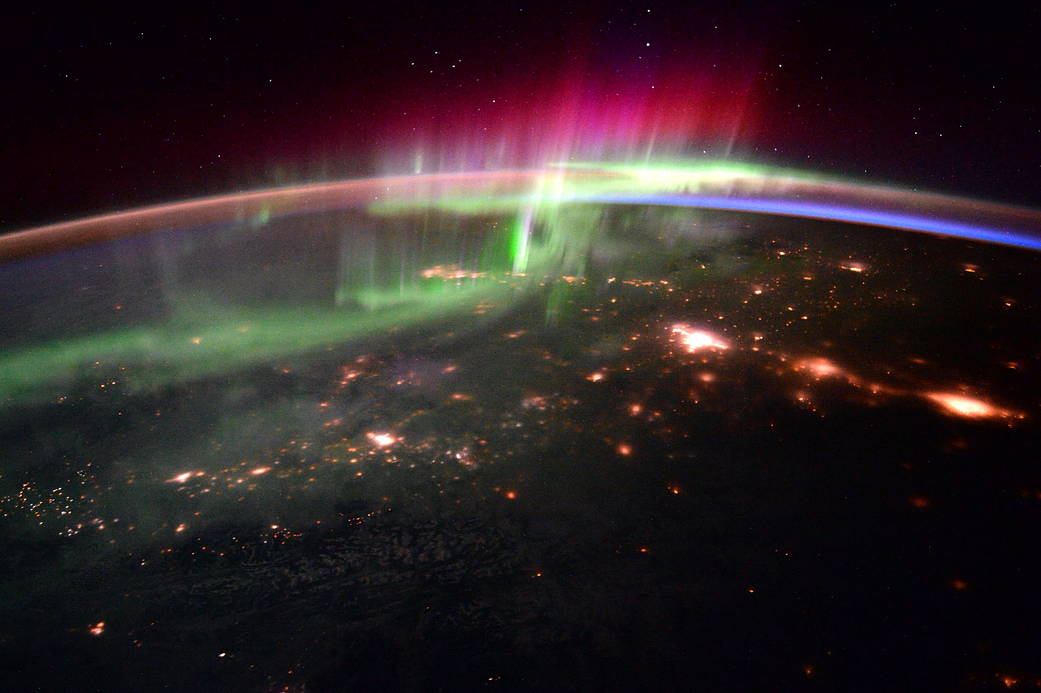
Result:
[699,340]
[382,439]
[968,407]
[820,367]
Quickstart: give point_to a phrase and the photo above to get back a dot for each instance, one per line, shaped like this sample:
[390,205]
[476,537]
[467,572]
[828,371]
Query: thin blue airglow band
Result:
[893,220]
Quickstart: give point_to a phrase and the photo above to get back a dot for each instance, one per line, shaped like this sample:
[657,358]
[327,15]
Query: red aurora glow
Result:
[581,114]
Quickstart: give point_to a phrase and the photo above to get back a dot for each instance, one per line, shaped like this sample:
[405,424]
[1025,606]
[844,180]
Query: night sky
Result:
[106,110]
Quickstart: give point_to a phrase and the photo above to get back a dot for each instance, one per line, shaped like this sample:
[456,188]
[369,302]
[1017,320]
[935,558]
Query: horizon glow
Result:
[716,185]
[549,223]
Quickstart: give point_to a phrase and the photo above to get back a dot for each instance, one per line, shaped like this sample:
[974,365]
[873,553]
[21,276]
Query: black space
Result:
[108,109]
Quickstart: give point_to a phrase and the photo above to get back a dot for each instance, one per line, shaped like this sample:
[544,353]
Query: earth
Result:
[426,448]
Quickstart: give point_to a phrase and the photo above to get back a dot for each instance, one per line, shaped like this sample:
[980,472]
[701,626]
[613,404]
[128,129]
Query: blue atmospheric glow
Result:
[809,210]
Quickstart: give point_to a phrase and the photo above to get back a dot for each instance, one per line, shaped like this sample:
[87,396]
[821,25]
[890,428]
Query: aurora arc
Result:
[174,352]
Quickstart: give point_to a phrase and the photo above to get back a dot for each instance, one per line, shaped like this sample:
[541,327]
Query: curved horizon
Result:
[725,186]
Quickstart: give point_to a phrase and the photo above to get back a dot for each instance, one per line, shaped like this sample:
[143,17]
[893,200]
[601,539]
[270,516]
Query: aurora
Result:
[709,185]
[536,226]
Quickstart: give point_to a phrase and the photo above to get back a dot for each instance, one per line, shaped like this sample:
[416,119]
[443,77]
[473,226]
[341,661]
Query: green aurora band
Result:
[539,225]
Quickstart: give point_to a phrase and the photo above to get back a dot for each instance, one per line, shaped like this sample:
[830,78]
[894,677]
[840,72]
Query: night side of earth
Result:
[696,427]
